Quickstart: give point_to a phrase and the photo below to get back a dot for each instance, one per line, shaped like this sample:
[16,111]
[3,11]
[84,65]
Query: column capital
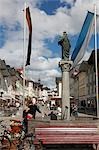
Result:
[65,65]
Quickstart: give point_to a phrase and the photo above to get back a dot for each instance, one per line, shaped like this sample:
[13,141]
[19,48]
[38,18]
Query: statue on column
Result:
[65,44]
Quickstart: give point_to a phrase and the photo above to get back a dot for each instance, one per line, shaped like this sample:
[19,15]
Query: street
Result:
[42,119]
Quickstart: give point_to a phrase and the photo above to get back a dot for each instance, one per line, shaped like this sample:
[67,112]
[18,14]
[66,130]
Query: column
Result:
[65,67]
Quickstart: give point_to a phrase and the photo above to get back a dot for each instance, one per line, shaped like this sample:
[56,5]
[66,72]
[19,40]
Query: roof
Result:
[58,79]
[84,66]
[5,73]
[12,71]
[2,64]
[91,59]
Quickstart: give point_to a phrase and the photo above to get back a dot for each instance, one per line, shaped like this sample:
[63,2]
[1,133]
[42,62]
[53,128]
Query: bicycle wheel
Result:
[5,143]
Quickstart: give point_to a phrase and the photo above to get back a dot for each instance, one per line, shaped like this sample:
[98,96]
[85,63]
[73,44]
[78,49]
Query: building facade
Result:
[83,85]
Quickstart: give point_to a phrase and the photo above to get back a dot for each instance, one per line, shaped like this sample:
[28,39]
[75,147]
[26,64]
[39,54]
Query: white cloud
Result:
[42,63]
[47,76]
[45,69]
[44,26]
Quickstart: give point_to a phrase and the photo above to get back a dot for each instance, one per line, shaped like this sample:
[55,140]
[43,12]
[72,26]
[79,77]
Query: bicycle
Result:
[16,136]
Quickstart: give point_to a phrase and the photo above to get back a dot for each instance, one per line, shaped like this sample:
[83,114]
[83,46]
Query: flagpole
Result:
[24,50]
[96,65]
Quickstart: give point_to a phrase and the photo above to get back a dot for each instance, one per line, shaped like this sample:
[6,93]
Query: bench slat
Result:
[67,129]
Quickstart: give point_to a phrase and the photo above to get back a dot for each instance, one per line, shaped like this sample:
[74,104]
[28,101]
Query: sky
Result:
[50,18]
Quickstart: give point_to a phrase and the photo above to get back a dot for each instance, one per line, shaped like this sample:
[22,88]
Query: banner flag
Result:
[83,39]
[29,22]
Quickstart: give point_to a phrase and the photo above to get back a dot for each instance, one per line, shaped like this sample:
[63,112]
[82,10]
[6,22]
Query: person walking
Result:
[32,109]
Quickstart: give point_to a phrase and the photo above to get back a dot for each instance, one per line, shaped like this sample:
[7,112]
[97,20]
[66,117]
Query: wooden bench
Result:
[88,134]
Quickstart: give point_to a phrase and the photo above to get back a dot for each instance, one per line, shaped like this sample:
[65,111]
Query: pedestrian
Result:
[52,116]
[70,109]
[48,106]
[59,110]
[17,105]
[32,109]
[75,110]
[65,113]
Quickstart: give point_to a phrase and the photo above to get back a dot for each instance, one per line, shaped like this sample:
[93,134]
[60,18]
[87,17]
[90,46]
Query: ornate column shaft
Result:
[65,67]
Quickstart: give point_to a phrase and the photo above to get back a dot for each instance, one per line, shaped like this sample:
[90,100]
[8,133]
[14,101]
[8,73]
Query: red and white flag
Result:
[29,22]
